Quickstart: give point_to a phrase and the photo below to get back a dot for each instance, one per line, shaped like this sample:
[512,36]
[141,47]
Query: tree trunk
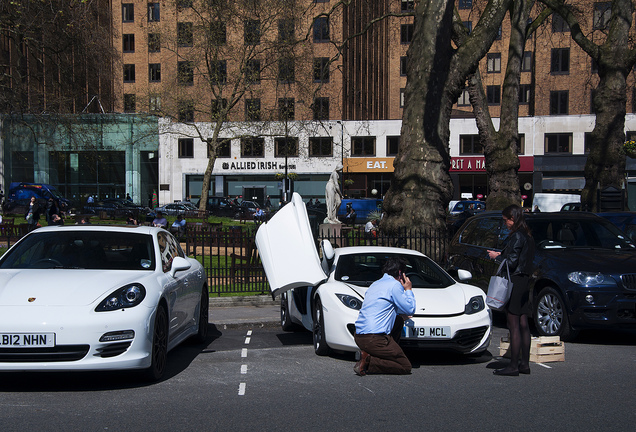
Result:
[211,145]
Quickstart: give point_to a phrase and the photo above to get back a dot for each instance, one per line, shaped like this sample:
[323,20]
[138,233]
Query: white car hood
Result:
[445,301]
[61,287]
[288,250]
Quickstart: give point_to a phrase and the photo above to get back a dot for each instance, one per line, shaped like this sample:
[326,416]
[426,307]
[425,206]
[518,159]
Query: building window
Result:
[321,69]
[130,104]
[253,71]
[128,12]
[470,145]
[223,147]
[526,61]
[321,108]
[286,110]
[406,33]
[592,95]
[321,29]
[217,106]
[602,15]
[499,34]
[154,103]
[129,73]
[128,43]
[464,98]
[493,95]
[392,145]
[402,97]
[403,61]
[252,147]
[154,72]
[560,63]
[185,37]
[320,146]
[468,25]
[558,143]
[154,14]
[185,73]
[253,109]
[634,100]
[587,139]
[154,42]
[184,4]
[186,148]
[465,4]
[524,93]
[186,111]
[252,32]
[558,102]
[286,147]
[558,24]
[407,6]
[218,33]
[218,72]
[594,68]
[521,144]
[286,70]
[363,146]
[493,63]
[286,31]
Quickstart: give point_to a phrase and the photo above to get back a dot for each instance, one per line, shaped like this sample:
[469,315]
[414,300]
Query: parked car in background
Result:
[98,297]
[324,296]
[221,206]
[465,205]
[129,205]
[584,269]
[184,208]
[19,196]
[110,208]
[575,206]
[364,207]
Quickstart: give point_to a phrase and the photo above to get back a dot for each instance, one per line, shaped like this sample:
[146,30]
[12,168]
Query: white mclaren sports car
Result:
[88,297]
[325,295]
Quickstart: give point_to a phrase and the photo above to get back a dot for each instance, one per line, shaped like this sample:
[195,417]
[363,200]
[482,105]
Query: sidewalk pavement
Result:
[244,312]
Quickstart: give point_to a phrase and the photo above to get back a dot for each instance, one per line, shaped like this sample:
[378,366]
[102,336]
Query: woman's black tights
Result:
[519,342]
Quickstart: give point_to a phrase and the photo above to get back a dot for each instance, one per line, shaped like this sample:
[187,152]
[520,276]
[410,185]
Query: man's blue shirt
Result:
[384,300]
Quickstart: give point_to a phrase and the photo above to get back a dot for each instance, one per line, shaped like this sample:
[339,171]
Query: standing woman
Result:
[518,252]
[33,214]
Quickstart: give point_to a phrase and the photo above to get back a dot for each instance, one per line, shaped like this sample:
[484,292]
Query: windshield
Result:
[82,250]
[365,268]
[577,233]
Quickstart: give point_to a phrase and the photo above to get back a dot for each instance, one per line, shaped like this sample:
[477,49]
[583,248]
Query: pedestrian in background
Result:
[32,215]
[518,252]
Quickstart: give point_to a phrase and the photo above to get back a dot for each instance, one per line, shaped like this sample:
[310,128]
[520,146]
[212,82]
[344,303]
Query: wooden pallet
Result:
[543,349]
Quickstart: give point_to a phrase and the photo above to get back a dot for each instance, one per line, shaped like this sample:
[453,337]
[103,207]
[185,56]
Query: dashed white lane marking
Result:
[544,365]
[249,332]
[247,340]
[243,369]
[241,389]
[244,352]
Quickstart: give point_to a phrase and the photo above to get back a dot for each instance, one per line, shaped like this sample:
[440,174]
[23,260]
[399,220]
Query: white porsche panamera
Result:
[88,297]
[325,295]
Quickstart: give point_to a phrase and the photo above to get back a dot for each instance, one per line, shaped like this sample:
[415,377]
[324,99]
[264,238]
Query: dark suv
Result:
[584,269]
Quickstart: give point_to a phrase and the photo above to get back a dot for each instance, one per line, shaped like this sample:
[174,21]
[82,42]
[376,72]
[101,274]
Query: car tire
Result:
[204,316]
[551,317]
[159,350]
[320,345]
[285,319]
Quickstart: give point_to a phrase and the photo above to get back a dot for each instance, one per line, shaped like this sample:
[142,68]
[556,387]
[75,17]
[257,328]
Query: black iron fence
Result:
[233,266]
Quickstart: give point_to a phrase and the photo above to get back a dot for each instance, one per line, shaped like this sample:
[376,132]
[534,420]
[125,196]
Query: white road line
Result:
[544,365]
[243,369]
[249,332]
[247,340]
[244,352]
[241,389]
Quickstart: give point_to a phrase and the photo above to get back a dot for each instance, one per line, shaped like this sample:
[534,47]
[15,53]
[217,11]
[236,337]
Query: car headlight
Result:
[125,297]
[587,278]
[350,301]
[475,304]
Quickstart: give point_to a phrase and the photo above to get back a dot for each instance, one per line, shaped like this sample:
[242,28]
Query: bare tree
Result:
[615,55]
[421,186]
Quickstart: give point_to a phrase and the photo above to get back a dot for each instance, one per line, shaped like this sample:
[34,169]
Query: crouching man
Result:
[379,326]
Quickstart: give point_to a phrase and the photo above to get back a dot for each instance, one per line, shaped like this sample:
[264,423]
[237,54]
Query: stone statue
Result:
[333,197]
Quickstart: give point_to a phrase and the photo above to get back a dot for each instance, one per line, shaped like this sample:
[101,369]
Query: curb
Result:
[263,300]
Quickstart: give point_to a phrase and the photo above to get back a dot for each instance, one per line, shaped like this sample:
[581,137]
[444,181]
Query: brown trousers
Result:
[386,356]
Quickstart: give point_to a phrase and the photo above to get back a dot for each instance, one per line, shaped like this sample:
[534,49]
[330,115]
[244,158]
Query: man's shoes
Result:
[362,365]
[504,372]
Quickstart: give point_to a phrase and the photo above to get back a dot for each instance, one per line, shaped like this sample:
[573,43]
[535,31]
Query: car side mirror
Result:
[464,275]
[179,264]
[327,249]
